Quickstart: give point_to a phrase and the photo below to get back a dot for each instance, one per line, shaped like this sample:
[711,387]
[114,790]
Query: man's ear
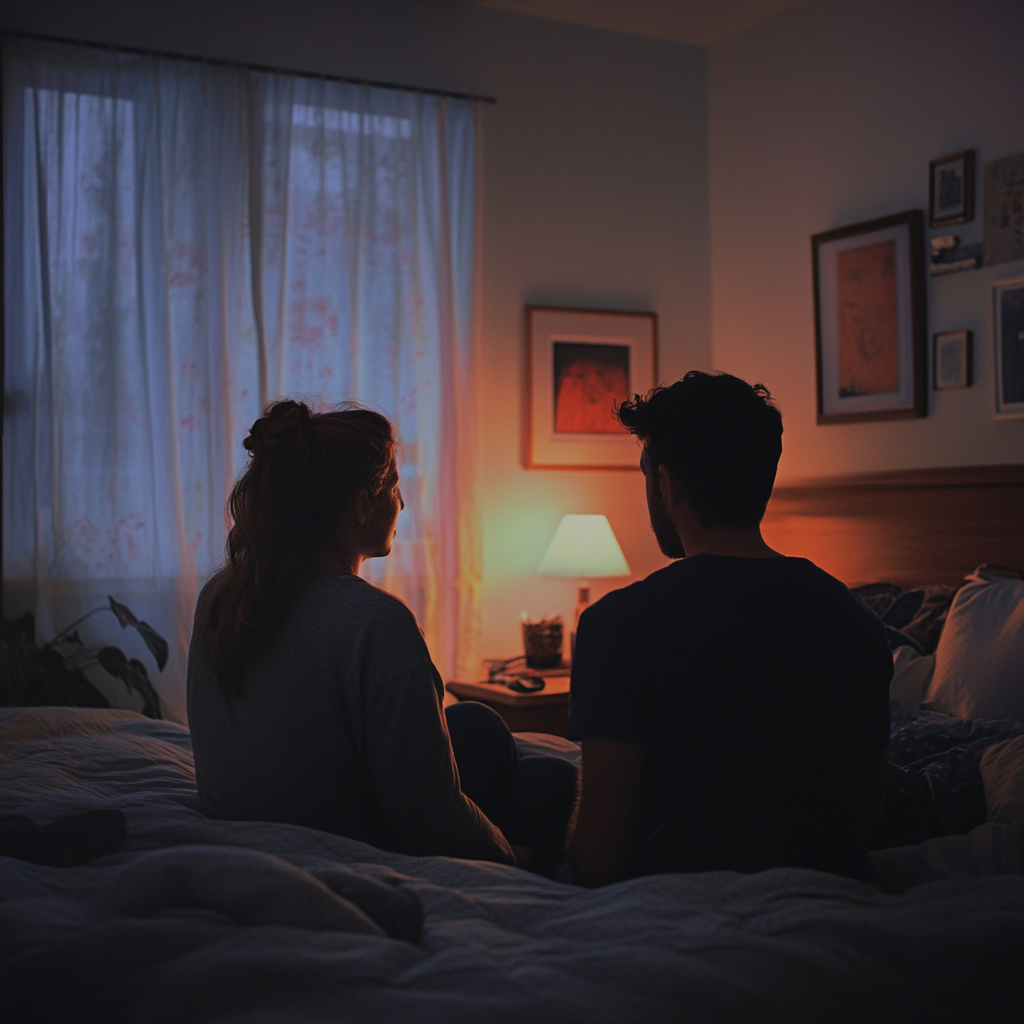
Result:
[670,487]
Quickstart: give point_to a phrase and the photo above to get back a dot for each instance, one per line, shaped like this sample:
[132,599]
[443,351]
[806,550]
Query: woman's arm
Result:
[413,772]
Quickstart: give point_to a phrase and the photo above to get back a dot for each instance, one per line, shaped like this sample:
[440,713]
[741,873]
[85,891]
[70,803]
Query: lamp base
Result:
[582,602]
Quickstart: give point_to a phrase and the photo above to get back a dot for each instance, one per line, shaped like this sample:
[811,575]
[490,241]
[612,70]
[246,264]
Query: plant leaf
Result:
[123,613]
[150,698]
[134,676]
[115,662]
[154,641]
[71,642]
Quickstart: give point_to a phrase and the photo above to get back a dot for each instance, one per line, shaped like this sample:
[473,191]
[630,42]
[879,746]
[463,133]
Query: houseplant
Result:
[53,672]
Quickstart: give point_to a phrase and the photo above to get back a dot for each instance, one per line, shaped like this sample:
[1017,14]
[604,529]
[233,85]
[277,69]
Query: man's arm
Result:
[603,836]
[876,814]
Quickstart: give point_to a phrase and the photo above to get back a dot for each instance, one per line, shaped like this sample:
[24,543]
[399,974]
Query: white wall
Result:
[825,115]
[595,195]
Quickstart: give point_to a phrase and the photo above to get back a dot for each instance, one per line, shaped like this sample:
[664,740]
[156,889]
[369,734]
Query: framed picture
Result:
[1008,331]
[1004,209]
[951,189]
[951,360]
[581,364]
[869,304]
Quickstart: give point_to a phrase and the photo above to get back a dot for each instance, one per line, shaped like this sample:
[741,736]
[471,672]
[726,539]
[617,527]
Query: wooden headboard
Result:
[913,526]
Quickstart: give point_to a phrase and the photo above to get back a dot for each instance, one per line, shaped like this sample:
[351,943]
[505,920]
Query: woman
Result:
[312,699]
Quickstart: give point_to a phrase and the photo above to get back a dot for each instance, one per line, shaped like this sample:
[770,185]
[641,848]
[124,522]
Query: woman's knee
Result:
[484,749]
[476,724]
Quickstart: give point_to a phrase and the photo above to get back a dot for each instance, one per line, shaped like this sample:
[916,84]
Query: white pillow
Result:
[1002,772]
[979,663]
[911,673]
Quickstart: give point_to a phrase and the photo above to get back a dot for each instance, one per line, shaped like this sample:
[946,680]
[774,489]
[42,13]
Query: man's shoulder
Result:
[819,584]
[714,578]
[636,595]
[805,573]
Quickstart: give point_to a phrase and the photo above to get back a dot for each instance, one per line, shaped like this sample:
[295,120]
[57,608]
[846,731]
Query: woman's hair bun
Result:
[284,425]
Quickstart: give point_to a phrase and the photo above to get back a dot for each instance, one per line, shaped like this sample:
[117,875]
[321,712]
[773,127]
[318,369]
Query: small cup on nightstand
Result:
[542,642]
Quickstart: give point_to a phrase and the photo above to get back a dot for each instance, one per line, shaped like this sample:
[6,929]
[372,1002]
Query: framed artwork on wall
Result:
[951,360]
[951,189]
[580,364]
[1008,332]
[1004,209]
[870,332]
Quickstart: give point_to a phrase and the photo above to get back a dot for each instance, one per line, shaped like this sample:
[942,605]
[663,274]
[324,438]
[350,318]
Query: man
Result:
[733,706]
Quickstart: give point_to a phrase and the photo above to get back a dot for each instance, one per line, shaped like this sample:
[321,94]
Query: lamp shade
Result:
[584,546]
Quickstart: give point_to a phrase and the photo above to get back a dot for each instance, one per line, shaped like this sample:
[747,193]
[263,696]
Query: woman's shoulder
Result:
[358,598]
[358,620]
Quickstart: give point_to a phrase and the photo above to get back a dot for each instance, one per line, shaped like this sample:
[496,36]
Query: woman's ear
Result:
[363,507]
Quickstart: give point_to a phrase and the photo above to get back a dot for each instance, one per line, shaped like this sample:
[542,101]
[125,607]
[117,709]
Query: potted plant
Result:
[53,672]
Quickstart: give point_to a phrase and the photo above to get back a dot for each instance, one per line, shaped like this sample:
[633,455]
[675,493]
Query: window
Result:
[185,243]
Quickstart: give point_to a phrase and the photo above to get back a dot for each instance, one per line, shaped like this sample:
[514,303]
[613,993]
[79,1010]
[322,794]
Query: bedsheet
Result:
[498,944]
[934,785]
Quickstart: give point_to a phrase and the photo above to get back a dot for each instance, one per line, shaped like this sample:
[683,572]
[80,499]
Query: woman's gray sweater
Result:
[341,728]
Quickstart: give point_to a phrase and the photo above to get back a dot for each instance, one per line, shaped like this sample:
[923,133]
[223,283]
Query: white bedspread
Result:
[498,944]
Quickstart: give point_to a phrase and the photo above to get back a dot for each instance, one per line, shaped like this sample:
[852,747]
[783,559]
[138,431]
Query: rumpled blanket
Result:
[497,944]
[912,618]
[934,785]
[252,887]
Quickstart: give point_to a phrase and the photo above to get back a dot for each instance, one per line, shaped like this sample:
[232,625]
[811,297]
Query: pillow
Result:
[979,663]
[911,617]
[911,673]
[1002,772]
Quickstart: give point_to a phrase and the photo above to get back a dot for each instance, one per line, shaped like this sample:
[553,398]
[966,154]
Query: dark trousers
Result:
[529,798]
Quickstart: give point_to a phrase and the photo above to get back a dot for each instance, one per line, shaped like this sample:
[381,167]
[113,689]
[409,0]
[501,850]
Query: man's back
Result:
[758,690]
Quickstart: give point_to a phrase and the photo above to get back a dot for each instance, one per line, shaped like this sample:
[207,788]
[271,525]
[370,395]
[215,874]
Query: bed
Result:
[200,920]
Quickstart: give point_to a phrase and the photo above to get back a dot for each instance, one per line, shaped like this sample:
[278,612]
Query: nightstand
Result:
[546,711]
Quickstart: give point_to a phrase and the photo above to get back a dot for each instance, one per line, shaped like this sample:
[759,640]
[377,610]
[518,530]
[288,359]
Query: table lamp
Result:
[584,547]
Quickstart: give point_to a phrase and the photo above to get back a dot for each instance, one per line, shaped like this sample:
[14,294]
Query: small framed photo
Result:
[869,302]
[1008,332]
[580,365]
[951,189]
[951,360]
[1004,209]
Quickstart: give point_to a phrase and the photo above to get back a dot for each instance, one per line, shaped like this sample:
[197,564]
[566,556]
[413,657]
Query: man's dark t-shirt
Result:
[758,688]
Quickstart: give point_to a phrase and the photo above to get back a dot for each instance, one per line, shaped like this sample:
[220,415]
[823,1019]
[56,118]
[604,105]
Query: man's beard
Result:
[664,532]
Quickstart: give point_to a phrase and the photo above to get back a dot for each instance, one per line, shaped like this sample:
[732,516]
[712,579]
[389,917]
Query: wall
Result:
[825,115]
[595,171]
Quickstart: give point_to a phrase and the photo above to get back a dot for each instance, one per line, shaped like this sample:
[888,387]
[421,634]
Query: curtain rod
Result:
[219,62]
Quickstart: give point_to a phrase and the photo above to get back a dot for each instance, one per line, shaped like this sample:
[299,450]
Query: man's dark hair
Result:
[721,437]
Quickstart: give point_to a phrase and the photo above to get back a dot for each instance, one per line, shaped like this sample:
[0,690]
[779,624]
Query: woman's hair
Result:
[304,471]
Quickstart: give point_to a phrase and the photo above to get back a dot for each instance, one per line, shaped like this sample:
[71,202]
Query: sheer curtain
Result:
[184,243]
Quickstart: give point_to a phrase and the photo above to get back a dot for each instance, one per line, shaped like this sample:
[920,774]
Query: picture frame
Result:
[951,189]
[870,329]
[1004,202]
[951,360]
[580,364]
[1008,335]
